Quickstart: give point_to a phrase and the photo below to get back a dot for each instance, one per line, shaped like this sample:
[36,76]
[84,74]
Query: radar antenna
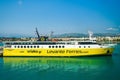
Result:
[90,35]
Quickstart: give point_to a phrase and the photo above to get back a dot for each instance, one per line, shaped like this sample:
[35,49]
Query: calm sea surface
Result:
[49,68]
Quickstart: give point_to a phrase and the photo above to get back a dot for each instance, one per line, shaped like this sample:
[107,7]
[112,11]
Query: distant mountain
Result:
[71,35]
[65,35]
[77,35]
[105,34]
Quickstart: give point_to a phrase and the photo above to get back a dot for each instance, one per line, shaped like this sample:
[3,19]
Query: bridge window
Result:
[87,43]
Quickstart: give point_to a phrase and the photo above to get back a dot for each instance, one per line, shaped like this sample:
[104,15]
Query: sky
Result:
[59,16]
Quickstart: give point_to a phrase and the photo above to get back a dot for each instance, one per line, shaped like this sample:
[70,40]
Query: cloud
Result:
[20,2]
[112,29]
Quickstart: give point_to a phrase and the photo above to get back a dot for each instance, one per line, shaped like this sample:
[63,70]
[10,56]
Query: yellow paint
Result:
[57,52]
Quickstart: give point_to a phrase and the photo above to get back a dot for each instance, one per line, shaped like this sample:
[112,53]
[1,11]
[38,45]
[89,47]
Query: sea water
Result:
[1,44]
[61,68]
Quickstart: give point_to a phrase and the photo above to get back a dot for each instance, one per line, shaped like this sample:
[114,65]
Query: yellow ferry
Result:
[59,48]
[56,48]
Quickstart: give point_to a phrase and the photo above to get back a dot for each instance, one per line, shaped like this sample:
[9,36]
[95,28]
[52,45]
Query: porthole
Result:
[49,46]
[27,46]
[37,46]
[21,46]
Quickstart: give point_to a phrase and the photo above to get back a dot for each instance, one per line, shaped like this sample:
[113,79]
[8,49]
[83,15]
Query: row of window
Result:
[26,46]
[46,43]
[49,47]
[34,43]
[56,46]
[87,43]
[38,46]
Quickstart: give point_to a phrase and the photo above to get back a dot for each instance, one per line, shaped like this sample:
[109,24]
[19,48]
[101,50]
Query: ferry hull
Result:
[58,52]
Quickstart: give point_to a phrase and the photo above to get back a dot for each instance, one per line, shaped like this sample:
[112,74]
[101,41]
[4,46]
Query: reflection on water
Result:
[54,68]
[50,64]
